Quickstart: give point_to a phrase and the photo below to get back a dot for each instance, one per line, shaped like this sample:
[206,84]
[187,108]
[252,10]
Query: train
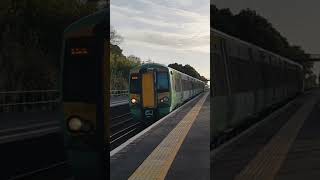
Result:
[83,83]
[155,90]
[246,82]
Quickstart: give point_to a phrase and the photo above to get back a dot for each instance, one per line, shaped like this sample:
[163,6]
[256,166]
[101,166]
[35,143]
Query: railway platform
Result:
[285,145]
[175,147]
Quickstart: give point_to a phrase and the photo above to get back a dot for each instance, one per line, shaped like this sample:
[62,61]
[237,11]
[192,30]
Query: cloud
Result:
[181,27]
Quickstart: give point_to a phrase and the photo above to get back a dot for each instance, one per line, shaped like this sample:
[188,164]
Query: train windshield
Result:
[79,71]
[162,82]
[135,83]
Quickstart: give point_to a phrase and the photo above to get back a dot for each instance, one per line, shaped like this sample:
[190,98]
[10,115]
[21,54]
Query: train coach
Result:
[155,90]
[248,81]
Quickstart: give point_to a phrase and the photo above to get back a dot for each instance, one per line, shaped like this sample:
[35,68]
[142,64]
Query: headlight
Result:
[75,124]
[133,101]
[165,99]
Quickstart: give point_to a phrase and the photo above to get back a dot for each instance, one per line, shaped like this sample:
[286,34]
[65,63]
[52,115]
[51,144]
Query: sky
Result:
[166,31]
[296,20]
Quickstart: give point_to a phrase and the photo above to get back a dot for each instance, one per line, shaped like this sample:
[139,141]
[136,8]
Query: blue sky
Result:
[165,31]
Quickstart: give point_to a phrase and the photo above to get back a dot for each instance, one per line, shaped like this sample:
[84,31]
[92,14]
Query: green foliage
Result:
[187,69]
[115,38]
[31,39]
[120,66]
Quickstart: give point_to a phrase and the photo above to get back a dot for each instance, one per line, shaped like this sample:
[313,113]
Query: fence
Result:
[119,92]
[23,101]
[35,100]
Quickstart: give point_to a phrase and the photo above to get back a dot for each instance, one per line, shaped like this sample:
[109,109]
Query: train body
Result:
[155,90]
[247,81]
[83,85]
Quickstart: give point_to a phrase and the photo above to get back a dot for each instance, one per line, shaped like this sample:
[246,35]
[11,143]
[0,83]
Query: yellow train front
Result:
[155,90]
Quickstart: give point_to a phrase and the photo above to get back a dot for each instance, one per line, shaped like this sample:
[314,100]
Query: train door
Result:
[181,98]
[84,83]
[149,94]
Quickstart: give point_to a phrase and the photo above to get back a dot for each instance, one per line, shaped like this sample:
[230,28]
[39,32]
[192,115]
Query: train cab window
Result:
[162,82]
[135,83]
[79,69]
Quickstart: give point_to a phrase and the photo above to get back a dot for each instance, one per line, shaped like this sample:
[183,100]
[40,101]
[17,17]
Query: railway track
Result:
[51,172]
[122,128]
[33,158]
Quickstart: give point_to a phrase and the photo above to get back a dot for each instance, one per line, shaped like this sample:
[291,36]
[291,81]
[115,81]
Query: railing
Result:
[35,100]
[23,101]
[119,92]
[315,56]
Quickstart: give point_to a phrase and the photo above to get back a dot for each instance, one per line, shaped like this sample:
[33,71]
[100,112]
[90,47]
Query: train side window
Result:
[163,82]
[185,84]
[135,84]
[220,83]
[173,83]
[177,84]
[182,85]
[235,75]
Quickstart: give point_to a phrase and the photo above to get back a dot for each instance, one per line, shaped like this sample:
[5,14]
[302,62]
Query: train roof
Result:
[151,65]
[148,65]
[186,74]
[255,46]
[86,24]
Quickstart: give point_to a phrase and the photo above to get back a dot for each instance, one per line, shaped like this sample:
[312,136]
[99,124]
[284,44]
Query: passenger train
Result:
[247,81]
[155,90]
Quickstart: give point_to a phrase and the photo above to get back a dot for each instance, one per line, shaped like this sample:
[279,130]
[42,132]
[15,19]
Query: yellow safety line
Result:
[269,160]
[157,164]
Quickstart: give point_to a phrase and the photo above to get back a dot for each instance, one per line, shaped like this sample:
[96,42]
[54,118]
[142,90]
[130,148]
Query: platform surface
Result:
[177,148]
[286,147]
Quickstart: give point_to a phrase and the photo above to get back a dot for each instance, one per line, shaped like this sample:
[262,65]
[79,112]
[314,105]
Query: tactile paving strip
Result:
[159,161]
[268,161]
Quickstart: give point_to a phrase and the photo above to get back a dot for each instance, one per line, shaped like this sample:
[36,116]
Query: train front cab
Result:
[84,104]
[150,95]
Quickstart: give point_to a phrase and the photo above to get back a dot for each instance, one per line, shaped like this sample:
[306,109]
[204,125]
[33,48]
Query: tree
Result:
[134,59]
[115,38]
[120,66]
[249,26]
[31,39]
[187,69]
[222,20]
